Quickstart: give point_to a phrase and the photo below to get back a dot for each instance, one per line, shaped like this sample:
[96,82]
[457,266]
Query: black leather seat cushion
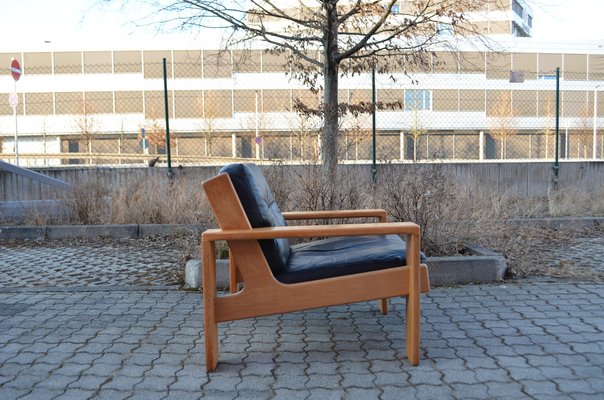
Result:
[261,210]
[340,256]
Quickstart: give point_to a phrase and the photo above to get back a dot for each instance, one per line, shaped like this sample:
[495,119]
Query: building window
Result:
[396,8]
[546,76]
[517,8]
[418,100]
[518,31]
[445,29]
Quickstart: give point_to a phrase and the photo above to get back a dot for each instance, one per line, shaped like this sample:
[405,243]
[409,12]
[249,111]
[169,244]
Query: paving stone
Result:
[575,386]
[183,395]
[220,383]
[425,377]
[39,393]
[354,380]
[287,394]
[397,393]
[484,341]
[121,383]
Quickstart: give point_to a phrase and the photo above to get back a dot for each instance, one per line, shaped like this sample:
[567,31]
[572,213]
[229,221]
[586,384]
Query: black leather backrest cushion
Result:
[261,210]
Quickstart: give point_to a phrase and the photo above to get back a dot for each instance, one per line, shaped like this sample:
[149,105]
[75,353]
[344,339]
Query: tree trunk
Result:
[329,148]
[329,154]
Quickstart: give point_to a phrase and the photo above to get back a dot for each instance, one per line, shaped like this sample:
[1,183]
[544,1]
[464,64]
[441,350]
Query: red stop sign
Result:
[15,70]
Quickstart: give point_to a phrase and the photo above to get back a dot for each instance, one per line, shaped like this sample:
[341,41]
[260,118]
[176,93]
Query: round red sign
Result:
[15,70]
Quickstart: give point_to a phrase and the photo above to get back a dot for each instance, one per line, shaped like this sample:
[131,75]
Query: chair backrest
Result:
[261,210]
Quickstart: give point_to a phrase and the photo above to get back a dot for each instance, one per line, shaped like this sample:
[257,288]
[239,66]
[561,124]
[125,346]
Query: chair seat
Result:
[340,256]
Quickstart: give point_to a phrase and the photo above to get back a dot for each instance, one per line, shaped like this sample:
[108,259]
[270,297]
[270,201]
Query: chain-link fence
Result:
[230,105]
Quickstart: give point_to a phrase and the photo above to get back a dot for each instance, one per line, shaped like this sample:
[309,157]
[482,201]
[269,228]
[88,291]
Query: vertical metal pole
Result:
[556,166]
[481,145]
[595,144]
[256,128]
[373,122]
[167,112]
[16,128]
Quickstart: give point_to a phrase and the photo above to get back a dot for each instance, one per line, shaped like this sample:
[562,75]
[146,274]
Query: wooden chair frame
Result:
[263,295]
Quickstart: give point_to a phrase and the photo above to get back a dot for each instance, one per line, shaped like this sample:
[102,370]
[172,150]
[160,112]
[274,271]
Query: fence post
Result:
[234,145]
[167,112]
[481,146]
[373,125]
[402,145]
[556,165]
[595,138]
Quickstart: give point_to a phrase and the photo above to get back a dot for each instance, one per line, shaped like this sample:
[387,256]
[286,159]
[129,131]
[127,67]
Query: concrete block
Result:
[22,233]
[92,231]
[193,274]
[466,269]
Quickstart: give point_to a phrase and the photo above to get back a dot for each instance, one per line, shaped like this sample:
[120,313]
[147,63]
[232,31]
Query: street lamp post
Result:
[595,143]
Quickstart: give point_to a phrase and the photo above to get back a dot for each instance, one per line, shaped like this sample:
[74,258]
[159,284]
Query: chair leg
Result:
[412,342]
[209,311]
[383,306]
[413,301]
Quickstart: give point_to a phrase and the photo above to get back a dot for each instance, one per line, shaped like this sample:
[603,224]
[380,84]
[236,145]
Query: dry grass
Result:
[178,202]
[450,214]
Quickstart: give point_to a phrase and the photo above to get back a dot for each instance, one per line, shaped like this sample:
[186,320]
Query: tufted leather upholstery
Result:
[340,256]
[319,259]
[261,210]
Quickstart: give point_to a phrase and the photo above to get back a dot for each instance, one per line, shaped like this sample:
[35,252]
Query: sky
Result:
[62,22]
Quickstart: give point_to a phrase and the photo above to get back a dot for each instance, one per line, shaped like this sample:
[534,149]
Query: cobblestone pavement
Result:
[583,258]
[64,336]
[128,262]
[530,340]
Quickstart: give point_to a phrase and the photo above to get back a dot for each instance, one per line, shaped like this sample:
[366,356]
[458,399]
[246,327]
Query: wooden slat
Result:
[403,228]
[413,300]
[300,215]
[261,300]
[208,252]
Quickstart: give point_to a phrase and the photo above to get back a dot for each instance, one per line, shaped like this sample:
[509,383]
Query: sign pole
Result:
[13,99]
[16,129]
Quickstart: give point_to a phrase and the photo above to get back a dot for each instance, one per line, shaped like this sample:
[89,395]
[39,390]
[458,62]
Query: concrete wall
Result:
[525,179]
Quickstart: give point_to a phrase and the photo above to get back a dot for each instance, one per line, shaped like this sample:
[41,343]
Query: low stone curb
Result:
[482,266]
[54,232]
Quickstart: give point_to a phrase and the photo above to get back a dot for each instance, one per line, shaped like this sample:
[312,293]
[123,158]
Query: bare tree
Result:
[417,129]
[87,126]
[207,123]
[325,39]
[357,131]
[306,130]
[155,132]
[501,121]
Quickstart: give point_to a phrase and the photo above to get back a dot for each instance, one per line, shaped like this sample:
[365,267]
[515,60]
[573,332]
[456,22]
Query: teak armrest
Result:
[382,215]
[404,228]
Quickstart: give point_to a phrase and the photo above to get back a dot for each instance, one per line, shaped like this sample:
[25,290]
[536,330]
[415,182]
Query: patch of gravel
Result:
[568,252]
[150,261]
